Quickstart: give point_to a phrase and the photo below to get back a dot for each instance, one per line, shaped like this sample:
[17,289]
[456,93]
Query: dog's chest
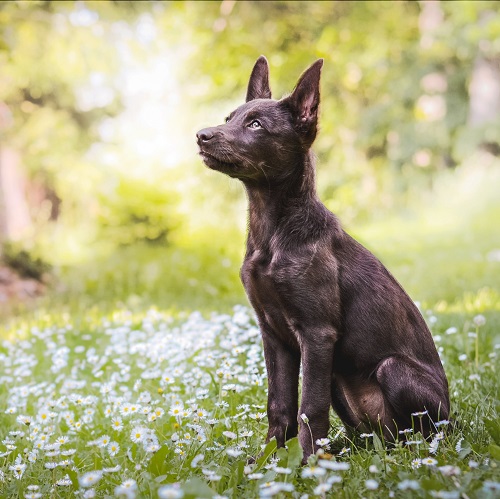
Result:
[284,289]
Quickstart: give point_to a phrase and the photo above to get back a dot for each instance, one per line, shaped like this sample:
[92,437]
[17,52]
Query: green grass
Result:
[134,328]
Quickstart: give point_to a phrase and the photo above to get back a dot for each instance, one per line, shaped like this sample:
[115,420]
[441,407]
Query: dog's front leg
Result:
[317,359]
[283,365]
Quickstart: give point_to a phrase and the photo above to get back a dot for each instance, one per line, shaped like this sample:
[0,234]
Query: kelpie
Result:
[321,298]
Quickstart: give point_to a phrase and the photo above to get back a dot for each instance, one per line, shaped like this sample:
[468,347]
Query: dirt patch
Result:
[15,289]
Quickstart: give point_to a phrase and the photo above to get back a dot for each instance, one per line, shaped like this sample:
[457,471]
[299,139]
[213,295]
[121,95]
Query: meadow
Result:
[144,376]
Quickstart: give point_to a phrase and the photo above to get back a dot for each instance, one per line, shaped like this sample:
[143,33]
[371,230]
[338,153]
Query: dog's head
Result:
[264,139]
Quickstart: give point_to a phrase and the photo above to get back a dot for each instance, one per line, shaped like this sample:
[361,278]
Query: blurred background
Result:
[105,203]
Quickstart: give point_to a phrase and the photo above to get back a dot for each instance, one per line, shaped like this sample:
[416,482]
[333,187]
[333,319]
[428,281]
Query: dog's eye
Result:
[226,119]
[255,124]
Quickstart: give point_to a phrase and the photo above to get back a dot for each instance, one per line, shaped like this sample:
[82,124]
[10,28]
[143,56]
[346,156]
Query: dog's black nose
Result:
[204,135]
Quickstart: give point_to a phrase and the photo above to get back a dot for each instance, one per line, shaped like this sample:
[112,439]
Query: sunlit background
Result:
[104,201]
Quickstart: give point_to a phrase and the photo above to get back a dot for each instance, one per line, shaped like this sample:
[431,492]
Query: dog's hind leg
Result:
[411,387]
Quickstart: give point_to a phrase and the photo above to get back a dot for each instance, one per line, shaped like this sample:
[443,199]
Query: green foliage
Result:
[395,100]
[137,210]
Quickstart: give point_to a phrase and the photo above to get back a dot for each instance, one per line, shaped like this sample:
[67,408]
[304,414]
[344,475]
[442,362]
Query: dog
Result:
[322,300]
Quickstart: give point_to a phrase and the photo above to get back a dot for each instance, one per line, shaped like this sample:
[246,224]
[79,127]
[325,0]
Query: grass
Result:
[125,384]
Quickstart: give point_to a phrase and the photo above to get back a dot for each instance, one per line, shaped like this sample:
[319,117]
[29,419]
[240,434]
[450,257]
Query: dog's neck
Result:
[292,202]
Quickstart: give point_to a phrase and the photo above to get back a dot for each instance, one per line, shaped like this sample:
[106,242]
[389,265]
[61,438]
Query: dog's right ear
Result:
[258,86]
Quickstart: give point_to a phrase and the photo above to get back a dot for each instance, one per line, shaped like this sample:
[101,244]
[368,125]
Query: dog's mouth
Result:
[214,162]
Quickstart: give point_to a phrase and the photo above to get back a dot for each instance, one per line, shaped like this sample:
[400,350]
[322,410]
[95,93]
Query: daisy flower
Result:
[113,448]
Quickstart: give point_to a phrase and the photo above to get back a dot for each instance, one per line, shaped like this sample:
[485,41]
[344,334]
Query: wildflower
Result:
[304,418]
[170,492]
[64,482]
[416,463]
[176,411]
[26,420]
[18,468]
[234,452]
[433,446]
[272,488]
[322,488]
[114,469]
[138,434]
[323,442]
[333,465]
[405,431]
[366,435]
[128,489]
[479,320]
[229,434]
[282,471]
[408,484]
[449,470]
[152,447]
[419,413]
[373,469]
[458,446]
[445,494]
[103,441]
[159,412]
[371,484]
[125,410]
[414,442]
[491,485]
[117,423]
[113,448]
[429,461]
[443,422]
[196,460]
[313,471]
[255,476]
[90,478]
[258,416]
[211,475]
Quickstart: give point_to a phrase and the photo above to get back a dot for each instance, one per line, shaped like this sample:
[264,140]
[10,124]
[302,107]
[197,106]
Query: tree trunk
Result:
[15,219]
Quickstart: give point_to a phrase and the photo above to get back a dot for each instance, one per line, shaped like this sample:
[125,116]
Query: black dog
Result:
[320,297]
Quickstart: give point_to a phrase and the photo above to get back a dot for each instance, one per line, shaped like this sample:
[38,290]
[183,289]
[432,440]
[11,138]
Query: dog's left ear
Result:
[258,86]
[304,102]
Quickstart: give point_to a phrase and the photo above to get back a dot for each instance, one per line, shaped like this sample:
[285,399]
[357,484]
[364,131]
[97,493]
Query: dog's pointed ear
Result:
[304,102]
[258,86]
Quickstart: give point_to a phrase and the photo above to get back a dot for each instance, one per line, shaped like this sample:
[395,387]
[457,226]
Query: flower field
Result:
[147,405]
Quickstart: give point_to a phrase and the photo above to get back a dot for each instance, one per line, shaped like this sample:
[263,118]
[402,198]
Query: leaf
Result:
[295,453]
[282,456]
[494,451]
[493,428]
[196,487]
[377,443]
[73,477]
[269,449]
[236,476]
[157,464]
[465,451]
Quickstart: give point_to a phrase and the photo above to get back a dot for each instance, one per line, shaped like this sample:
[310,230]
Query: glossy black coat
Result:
[323,301]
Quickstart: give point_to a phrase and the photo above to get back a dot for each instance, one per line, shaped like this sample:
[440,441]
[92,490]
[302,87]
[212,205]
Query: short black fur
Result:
[321,298]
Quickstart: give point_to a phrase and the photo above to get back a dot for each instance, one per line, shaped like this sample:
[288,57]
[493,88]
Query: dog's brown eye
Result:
[226,119]
[255,124]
